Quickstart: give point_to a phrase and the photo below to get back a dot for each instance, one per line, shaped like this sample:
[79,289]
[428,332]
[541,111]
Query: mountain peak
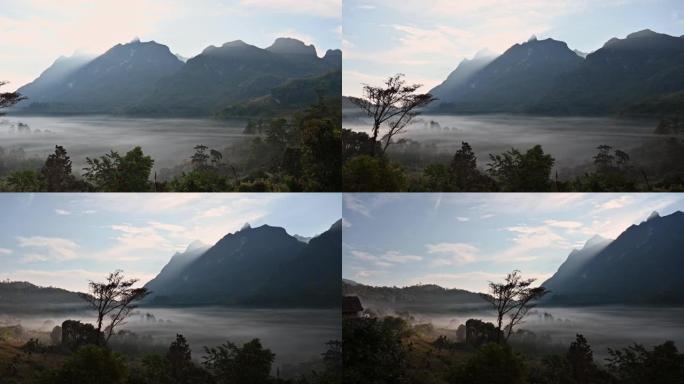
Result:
[532,38]
[288,45]
[245,226]
[653,215]
[484,53]
[595,240]
[642,33]
[234,43]
[195,245]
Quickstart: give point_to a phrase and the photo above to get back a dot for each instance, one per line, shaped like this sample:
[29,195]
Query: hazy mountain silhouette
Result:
[173,270]
[112,82]
[425,297]
[546,77]
[575,261]
[462,74]
[146,78]
[257,266]
[520,77]
[23,297]
[43,88]
[642,266]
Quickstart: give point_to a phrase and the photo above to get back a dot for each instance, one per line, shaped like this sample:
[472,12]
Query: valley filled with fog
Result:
[296,336]
[169,141]
[572,141]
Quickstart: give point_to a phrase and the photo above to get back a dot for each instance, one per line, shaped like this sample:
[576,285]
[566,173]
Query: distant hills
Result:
[643,265]
[426,298]
[547,77]
[263,266]
[20,297]
[146,78]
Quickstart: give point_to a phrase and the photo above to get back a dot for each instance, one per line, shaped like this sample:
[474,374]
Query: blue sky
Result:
[464,240]
[36,32]
[427,40]
[64,240]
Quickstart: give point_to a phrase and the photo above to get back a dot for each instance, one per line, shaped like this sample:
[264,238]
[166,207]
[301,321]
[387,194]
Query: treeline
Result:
[300,154]
[387,350]
[367,168]
[229,363]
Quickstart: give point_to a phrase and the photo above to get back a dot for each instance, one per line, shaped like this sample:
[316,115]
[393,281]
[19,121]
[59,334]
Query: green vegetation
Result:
[659,168]
[299,154]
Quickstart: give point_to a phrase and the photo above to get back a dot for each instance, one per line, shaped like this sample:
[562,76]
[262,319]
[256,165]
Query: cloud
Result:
[462,219]
[616,203]
[355,204]
[385,259]
[5,251]
[564,224]
[319,8]
[62,212]
[346,223]
[453,253]
[40,248]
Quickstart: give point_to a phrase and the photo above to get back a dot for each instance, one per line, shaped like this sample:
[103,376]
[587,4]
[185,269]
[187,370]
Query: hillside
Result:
[642,266]
[20,297]
[247,268]
[146,78]
[427,298]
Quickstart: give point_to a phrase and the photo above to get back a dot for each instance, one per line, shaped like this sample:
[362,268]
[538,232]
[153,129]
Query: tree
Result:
[517,172]
[8,99]
[91,364]
[581,360]
[57,171]
[370,174]
[635,364]
[464,173]
[116,173]
[492,364]
[200,159]
[115,299]
[249,364]
[25,181]
[513,298]
[395,105]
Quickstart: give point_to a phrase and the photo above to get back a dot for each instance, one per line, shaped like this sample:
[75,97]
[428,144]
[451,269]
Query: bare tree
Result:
[8,99]
[513,299]
[113,300]
[395,105]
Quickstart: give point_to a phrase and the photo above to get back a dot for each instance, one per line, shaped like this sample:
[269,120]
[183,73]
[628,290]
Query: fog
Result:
[603,326]
[296,336]
[170,142]
[571,140]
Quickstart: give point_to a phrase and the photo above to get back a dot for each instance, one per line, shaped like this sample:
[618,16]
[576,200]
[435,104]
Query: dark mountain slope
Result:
[173,270]
[22,297]
[518,79]
[644,265]
[462,74]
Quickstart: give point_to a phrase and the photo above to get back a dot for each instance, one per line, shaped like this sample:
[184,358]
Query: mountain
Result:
[642,266]
[575,261]
[465,70]
[622,72]
[427,298]
[262,266]
[146,78]
[313,277]
[113,82]
[546,77]
[18,297]
[234,73]
[39,90]
[174,268]
[522,76]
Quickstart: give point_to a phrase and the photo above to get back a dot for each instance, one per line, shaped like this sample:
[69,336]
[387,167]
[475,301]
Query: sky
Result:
[426,42]
[465,240]
[36,32]
[65,240]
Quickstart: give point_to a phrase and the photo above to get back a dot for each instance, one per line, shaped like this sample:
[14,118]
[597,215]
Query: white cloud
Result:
[453,253]
[346,223]
[565,224]
[41,248]
[321,8]
[5,251]
[615,203]
[385,259]
[462,219]
[62,212]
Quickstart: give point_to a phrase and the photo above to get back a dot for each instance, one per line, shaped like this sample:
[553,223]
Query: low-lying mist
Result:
[572,141]
[169,142]
[297,336]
